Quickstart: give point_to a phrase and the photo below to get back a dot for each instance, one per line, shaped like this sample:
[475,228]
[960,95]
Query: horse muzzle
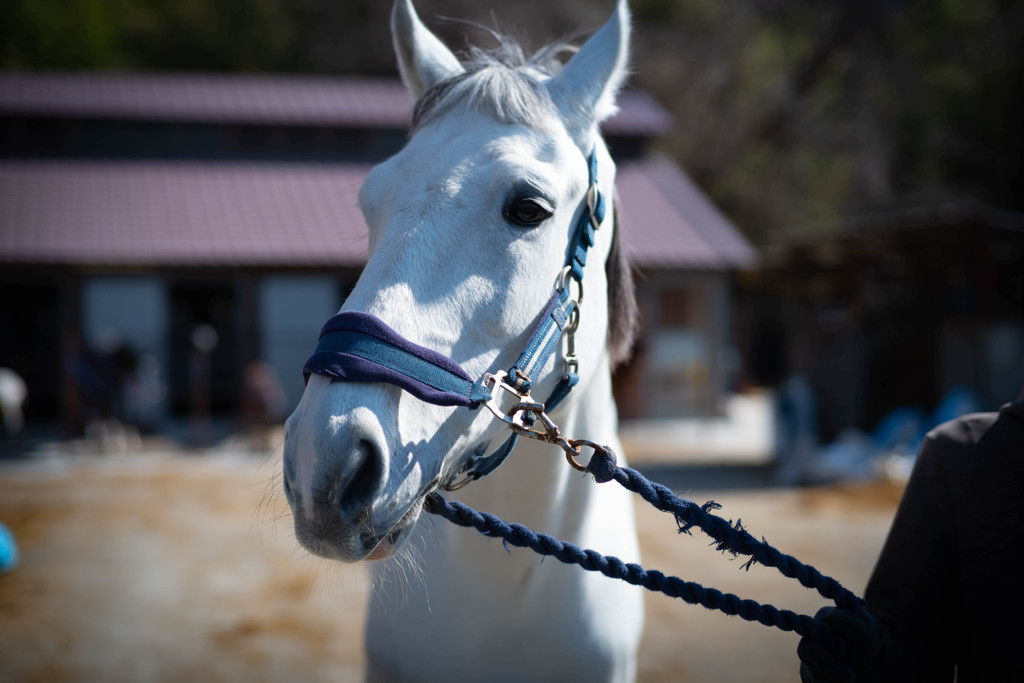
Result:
[337,485]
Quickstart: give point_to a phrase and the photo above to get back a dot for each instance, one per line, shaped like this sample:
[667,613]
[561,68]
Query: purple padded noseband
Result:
[359,347]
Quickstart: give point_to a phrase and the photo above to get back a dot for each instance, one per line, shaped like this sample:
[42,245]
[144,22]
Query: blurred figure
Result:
[145,394]
[796,429]
[943,600]
[263,405]
[13,393]
[204,343]
[105,373]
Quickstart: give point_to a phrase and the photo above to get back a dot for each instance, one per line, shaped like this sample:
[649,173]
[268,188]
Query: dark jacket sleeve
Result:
[948,578]
[946,588]
[912,590]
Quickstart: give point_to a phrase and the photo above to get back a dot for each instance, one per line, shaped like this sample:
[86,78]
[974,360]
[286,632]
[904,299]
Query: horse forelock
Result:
[502,82]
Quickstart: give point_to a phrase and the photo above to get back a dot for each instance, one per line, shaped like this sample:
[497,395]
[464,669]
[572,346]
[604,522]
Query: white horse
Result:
[469,226]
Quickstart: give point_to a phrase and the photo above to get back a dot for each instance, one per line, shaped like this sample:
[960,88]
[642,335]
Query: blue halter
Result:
[358,347]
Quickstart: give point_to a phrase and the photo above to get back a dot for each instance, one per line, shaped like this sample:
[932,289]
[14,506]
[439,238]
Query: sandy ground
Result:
[165,566]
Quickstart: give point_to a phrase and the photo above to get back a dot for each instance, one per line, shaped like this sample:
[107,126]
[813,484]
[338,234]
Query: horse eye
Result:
[527,213]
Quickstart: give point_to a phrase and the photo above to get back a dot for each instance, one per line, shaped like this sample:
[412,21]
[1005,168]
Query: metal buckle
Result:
[548,431]
[496,381]
[516,416]
[526,417]
[593,193]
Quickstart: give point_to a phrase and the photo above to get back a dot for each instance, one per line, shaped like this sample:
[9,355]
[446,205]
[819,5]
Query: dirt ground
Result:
[168,566]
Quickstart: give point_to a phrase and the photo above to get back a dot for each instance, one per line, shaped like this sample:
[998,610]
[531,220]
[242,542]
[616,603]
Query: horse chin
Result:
[397,536]
[385,549]
[338,544]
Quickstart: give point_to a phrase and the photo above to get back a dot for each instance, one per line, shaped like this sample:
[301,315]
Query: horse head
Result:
[469,226]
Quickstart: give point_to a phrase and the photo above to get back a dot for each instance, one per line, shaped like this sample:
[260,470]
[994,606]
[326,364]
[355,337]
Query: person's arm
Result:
[912,593]
[914,590]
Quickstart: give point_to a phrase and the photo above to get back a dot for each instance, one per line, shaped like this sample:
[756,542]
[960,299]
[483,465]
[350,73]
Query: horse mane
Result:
[506,84]
[623,311]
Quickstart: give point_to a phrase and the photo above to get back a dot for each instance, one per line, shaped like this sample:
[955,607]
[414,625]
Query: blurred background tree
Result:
[790,114]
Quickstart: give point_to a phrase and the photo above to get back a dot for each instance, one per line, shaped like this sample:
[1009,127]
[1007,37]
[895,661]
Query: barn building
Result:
[172,230]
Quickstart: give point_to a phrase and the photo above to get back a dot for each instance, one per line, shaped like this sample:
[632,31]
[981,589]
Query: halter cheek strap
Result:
[358,347]
[589,221]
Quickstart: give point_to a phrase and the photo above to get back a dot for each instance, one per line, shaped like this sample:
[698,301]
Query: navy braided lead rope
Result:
[730,537]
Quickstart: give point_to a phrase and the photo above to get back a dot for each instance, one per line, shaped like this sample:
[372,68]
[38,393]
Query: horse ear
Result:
[423,59]
[584,90]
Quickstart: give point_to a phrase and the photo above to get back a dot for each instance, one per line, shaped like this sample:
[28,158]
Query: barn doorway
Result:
[206,373]
[30,341]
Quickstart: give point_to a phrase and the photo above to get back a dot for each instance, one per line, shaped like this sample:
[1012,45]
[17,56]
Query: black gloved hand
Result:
[864,640]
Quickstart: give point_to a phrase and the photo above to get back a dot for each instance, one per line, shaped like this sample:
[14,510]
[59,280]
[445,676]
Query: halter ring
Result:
[575,449]
[561,282]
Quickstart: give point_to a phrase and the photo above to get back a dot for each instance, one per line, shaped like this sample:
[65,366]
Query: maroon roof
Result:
[235,98]
[668,222]
[122,213]
[252,99]
[180,213]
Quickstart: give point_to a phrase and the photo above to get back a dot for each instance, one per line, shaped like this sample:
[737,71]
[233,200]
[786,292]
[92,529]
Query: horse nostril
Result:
[360,489]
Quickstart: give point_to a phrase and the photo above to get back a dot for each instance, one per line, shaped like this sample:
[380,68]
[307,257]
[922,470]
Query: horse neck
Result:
[536,486]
